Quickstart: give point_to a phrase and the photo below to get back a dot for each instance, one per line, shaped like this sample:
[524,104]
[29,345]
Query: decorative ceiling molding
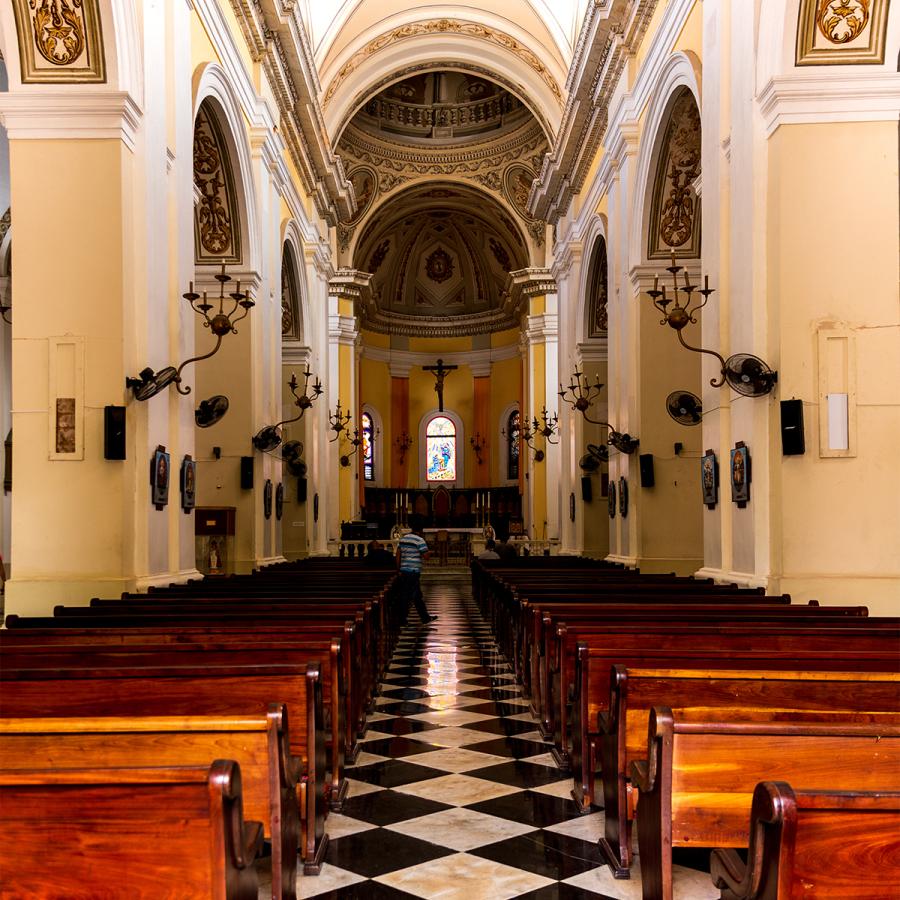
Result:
[277,39]
[611,34]
[440,27]
[404,360]
[825,97]
[70,113]
[457,66]
[437,326]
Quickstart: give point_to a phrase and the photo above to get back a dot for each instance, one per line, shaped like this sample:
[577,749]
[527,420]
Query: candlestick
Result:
[656,282]
[686,282]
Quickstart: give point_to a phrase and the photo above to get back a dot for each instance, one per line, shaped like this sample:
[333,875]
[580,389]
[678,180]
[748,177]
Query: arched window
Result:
[440,450]
[513,435]
[368,447]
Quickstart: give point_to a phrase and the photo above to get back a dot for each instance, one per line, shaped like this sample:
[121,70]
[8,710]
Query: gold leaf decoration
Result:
[842,21]
[60,41]
[216,219]
[443,26]
[675,210]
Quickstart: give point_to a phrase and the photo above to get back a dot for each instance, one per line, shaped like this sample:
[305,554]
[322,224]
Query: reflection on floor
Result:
[455,795]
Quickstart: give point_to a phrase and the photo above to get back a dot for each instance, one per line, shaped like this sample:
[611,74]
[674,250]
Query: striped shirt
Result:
[412,550]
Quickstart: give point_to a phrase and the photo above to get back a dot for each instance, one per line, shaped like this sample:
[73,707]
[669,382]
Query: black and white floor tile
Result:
[454,794]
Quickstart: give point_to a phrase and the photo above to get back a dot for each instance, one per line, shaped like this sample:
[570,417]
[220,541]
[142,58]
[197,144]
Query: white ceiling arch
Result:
[560,18]
[443,35]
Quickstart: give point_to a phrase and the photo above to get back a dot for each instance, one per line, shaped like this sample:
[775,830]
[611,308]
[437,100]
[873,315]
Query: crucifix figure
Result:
[440,372]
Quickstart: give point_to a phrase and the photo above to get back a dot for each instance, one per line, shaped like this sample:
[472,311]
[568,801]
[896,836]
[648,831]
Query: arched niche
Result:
[504,438]
[409,40]
[215,101]
[680,72]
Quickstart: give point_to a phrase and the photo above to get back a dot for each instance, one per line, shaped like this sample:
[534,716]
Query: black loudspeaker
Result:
[301,490]
[586,491]
[114,432]
[646,464]
[246,473]
[793,441]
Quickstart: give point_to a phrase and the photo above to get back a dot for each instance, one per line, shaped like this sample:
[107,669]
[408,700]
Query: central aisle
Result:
[454,793]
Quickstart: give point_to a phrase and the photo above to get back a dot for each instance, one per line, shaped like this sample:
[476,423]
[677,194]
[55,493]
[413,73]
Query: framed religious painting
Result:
[611,499]
[159,477]
[623,496]
[279,501]
[267,499]
[188,483]
[740,475]
[709,479]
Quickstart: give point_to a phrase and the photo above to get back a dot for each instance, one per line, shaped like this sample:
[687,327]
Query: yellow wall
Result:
[833,251]
[69,281]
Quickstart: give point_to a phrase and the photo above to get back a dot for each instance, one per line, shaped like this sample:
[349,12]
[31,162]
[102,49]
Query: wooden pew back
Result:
[132,833]
[259,744]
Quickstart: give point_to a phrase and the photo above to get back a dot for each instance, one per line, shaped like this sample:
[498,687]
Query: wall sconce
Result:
[403,442]
[150,383]
[545,430]
[583,395]
[6,310]
[356,442]
[747,374]
[477,443]
[269,437]
[339,421]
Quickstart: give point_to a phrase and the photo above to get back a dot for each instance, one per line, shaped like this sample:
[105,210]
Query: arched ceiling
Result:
[508,41]
[336,26]
[440,257]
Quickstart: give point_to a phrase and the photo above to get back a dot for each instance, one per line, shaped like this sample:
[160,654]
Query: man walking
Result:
[412,551]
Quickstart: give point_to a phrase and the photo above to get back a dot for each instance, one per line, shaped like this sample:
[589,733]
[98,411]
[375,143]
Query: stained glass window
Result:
[440,449]
[513,433]
[368,447]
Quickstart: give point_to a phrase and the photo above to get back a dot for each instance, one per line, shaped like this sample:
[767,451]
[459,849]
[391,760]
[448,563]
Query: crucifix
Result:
[440,372]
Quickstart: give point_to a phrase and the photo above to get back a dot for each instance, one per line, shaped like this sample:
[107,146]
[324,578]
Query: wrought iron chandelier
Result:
[269,437]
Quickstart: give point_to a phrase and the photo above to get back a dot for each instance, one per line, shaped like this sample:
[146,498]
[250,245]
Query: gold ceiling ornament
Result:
[675,210]
[841,32]
[842,21]
[443,26]
[216,217]
[60,40]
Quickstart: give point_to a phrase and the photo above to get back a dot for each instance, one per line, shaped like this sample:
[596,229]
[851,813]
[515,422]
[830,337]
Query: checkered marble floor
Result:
[454,794]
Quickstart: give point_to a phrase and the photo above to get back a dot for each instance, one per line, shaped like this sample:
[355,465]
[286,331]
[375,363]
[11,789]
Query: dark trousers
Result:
[410,591]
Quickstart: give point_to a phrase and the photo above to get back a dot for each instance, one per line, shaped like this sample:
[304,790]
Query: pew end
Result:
[840,844]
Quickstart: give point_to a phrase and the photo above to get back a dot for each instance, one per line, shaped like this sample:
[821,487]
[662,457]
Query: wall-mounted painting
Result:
[160,466]
[740,474]
[709,479]
[188,483]
[611,499]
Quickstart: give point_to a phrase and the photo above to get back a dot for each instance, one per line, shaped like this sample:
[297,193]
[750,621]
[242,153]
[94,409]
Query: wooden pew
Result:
[358,673]
[773,684]
[554,669]
[843,845]
[869,647]
[129,833]
[697,782]
[259,744]
[344,704]
[191,688]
